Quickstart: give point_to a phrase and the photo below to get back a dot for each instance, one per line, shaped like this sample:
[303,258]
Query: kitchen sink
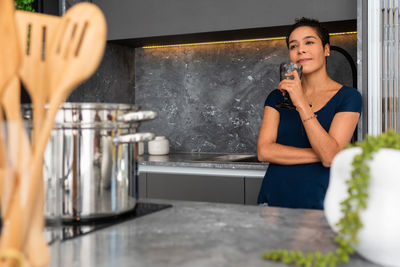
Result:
[230,158]
[253,158]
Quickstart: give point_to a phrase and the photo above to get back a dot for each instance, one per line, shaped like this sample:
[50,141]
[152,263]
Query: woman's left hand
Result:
[294,88]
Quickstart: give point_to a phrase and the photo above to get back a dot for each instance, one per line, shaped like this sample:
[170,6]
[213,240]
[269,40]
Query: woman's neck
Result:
[318,80]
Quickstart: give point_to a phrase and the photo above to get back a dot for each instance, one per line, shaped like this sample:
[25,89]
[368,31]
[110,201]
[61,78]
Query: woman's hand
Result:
[294,88]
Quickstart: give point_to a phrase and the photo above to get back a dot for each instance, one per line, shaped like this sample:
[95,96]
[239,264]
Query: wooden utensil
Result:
[36,32]
[9,63]
[9,84]
[18,146]
[9,54]
[74,55]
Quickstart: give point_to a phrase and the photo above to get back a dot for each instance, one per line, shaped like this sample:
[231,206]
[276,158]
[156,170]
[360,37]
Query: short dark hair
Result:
[322,32]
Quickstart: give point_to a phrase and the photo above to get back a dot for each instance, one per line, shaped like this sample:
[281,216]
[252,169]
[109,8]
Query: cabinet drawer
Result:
[196,188]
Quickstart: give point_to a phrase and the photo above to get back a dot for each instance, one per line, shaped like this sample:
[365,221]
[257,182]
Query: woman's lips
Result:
[303,60]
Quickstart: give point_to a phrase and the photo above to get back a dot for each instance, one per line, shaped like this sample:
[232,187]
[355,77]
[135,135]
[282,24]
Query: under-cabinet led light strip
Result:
[235,41]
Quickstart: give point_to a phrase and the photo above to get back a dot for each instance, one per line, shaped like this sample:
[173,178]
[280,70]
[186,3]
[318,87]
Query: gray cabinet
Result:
[222,189]
[196,188]
[155,18]
[142,185]
[251,189]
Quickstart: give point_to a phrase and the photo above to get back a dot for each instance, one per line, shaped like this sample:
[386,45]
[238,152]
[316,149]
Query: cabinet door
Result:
[135,19]
[252,187]
[142,185]
[196,188]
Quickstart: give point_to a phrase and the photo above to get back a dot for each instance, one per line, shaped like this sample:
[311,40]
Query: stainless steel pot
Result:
[90,162]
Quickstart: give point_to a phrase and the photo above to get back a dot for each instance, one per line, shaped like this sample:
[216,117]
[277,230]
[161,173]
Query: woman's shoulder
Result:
[275,92]
[349,99]
[274,97]
[349,91]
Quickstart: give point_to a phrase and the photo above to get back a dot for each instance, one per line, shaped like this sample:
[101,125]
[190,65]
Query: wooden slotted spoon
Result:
[74,55]
[36,32]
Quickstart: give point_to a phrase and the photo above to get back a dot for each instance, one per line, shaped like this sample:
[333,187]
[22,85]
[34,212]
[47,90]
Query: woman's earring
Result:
[329,54]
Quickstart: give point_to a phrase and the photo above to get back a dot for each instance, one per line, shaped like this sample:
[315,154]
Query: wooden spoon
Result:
[36,32]
[73,56]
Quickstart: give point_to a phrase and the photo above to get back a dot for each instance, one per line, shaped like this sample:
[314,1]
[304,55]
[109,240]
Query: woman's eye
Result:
[309,42]
[292,47]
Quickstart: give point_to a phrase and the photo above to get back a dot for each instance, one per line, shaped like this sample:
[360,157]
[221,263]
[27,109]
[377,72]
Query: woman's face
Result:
[305,48]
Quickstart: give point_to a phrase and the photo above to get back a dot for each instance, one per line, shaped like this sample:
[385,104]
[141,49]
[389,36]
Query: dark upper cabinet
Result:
[146,19]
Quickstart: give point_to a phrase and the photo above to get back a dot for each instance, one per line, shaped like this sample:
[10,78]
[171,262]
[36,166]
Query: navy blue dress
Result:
[302,185]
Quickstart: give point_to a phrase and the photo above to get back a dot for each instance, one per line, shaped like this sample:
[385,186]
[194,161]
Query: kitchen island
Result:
[202,234]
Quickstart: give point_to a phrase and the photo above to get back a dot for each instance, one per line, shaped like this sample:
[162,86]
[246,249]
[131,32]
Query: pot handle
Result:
[138,116]
[133,138]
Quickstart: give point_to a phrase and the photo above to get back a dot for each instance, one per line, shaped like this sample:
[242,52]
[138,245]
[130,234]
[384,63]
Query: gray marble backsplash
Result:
[114,80]
[210,98]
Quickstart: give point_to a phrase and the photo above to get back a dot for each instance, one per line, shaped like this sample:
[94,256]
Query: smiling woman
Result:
[300,144]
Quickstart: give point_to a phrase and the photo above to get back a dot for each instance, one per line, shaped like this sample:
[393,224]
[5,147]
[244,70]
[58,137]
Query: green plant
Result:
[350,223]
[25,5]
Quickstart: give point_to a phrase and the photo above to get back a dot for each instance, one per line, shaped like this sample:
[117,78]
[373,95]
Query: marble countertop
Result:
[197,160]
[202,234]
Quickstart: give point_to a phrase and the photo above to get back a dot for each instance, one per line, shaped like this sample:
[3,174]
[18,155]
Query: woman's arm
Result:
[269,150]
[327,145]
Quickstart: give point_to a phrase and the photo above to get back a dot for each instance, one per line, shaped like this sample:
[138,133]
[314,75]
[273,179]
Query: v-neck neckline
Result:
[337,92]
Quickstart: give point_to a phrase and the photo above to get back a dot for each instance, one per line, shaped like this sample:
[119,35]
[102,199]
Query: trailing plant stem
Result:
[350,223]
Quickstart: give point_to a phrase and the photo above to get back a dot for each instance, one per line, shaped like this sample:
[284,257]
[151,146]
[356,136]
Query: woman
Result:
[301,144]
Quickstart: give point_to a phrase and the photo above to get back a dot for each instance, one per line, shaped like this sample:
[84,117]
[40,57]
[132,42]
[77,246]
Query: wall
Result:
[210,97]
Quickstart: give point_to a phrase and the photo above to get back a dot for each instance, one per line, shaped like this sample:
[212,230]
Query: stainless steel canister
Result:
[90,162]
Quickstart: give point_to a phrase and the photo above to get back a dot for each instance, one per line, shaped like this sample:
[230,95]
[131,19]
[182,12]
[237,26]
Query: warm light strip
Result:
[235,41]
[342,33]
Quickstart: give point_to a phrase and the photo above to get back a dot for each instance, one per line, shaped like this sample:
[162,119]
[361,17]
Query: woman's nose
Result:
[301,50]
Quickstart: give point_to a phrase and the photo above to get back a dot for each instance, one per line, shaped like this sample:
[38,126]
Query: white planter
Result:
[379,239]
